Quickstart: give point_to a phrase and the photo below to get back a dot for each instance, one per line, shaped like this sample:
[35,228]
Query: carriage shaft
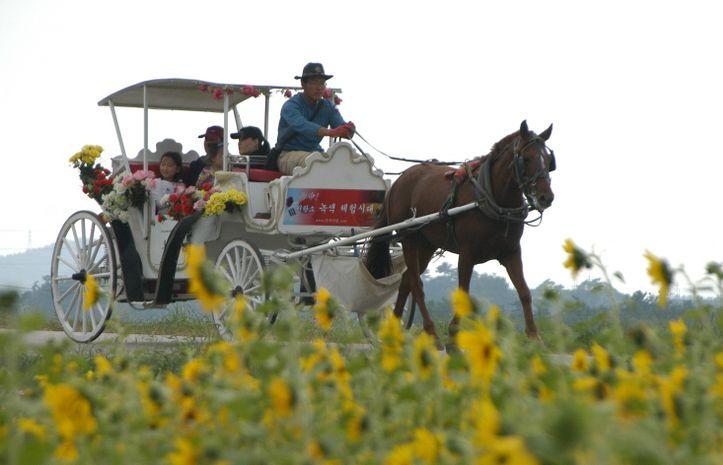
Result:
[411,222]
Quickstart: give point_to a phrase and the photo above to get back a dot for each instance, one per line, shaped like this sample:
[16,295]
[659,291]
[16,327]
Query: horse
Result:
[510,181]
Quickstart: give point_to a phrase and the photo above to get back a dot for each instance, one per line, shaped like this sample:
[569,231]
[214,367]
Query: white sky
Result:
[633,90]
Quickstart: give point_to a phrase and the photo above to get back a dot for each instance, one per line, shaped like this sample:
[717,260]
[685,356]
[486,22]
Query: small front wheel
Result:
[242,265]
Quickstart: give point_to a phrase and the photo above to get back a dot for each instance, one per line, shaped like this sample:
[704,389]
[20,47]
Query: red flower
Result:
[327,92]
[218,94]
[85,190]
[251,91]
[337,100]
[287,93]
[177,208]
[160,218]
[203,87]
[173,197]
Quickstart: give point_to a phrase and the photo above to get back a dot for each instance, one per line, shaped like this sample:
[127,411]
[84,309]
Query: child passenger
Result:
[170,175]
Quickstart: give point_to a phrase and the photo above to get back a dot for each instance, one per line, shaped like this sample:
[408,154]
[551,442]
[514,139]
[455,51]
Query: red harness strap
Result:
[460,174]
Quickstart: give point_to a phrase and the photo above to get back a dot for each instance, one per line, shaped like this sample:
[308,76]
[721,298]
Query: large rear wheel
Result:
[242,265]
[84,248]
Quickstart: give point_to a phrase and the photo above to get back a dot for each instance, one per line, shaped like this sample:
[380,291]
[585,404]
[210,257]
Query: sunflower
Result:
[324,309]
[461,303]
[207,284]
[577,259]
[660,275]
[480,350]
[92,292]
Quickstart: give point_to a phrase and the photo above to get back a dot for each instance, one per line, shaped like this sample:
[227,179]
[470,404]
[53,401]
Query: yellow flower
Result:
[508,450]
[205,283]
[231,361]
[71,411]
[28,425]
[486,421]
[642,360]
[630,397]
[184,454]
[538,366]
[577,259]
[661,275]
[193,370]
[401,454]
[719,360]
[323,311]
[579,360]
[391,337]
[223,201]
[66,451]
[480,350]
[425,355]
[92,292]
[281,397]
[678,330]
[87,155]
[426,445]
[671,390]
[461,303]
[102,366]
[602,359]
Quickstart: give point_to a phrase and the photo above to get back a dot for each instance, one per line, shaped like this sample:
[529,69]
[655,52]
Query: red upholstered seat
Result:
[259,175]
[256,175]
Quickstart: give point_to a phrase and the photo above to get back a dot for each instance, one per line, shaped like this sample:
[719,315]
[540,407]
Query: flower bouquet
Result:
[184,201]
[137,186]
[96,180]
[131,190]
[227,201]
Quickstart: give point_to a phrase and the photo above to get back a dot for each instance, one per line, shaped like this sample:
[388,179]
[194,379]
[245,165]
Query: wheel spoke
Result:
[242,271]
[85,242]
[62,278]
[95,265]
[66,314]
[232,269]
[95,249]
[228,276]
[83,311]
[253,273]
[73,253]
[91,242]
[77,242]
[91,312]
[102,274]
[72,267]
[250,290]
[65,294]
[78,306]
[237,265]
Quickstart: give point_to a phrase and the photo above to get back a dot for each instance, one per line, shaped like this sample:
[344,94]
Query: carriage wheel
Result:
[242,265]
[84,247]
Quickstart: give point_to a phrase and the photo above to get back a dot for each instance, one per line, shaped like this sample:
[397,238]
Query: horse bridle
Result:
[527,183]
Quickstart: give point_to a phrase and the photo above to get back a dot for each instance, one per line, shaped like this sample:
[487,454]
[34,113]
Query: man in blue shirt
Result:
[305,120]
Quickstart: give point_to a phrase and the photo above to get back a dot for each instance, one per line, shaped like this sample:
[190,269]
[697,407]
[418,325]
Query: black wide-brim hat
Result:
[313,70]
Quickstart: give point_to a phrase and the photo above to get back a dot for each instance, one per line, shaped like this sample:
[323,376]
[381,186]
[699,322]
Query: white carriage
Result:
[287,218]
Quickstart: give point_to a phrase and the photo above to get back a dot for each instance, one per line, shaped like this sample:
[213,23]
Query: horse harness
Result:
[482,185]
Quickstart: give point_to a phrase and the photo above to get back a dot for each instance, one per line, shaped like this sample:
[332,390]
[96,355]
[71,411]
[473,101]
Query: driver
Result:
[305,120]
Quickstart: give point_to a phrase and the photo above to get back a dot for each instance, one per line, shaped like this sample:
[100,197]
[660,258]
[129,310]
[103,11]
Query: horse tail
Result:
[378,260]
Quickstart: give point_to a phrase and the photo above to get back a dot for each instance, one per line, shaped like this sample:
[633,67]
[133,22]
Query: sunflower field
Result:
[634,395]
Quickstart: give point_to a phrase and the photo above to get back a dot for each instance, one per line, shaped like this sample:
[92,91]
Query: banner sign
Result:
[332,207]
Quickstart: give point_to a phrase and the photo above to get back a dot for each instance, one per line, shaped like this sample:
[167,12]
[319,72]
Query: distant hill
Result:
[22,270]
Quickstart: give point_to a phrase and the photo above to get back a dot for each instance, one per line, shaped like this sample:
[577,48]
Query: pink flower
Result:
[218,94]
[337,100]
[189,190]
[199,205]
[203,87]
[327,92]
[287,93]
[248,90]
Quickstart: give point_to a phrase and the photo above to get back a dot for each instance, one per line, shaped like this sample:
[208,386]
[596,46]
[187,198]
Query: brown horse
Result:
[511,180]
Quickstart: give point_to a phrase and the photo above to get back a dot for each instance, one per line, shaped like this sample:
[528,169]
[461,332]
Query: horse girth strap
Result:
[482,185]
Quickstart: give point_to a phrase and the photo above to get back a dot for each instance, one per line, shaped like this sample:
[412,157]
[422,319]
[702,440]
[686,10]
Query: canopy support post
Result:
[120,138]
[266,114]
[225,131]
[237,117]
[145,128]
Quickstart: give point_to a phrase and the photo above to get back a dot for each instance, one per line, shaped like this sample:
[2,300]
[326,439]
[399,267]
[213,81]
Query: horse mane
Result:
[498,149]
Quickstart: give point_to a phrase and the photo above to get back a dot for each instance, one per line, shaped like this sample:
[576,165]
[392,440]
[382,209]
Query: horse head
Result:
[532,163]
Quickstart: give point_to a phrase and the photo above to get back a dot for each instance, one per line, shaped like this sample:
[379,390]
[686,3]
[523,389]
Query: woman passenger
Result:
[251,141]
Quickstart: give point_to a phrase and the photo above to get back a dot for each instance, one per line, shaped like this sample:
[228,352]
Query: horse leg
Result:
[416,254]
[513,264]
[403,294]
[465,266]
